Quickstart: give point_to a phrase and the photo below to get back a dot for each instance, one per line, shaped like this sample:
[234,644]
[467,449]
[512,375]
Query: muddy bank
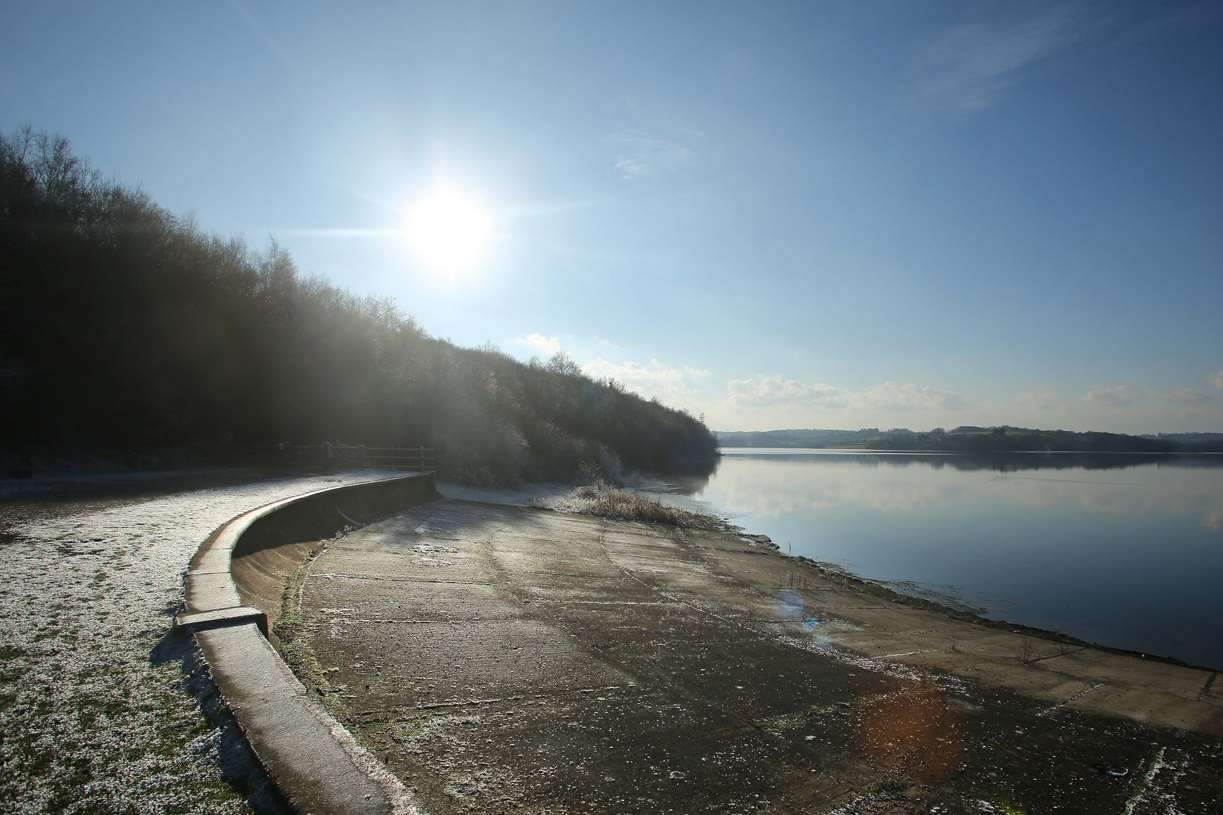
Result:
[502,659]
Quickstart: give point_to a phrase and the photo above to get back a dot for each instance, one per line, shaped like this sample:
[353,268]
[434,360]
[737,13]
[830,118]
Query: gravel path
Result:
[103,708]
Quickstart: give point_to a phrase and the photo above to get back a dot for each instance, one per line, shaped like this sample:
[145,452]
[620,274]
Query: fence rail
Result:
[337,454]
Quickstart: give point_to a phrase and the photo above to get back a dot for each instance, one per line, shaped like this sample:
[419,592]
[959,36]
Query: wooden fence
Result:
[338,454]
[421,459]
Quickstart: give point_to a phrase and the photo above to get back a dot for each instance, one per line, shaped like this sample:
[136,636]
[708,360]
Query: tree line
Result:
[127,329]
[973,439]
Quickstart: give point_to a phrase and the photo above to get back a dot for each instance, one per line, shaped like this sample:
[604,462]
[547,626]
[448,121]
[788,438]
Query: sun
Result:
[448,229]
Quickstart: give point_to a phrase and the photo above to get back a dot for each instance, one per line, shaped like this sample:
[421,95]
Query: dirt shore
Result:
[504,659]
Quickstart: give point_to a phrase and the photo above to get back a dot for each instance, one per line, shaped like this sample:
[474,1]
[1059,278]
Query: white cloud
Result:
[898,396]
[1217,380]
[972,64]
[671,385]
[630,168]
[759,391]
[1188,396]
[1195,403]
[630,372]
[1115,396]
[1039,400]
[538,344]
[640,155]
[765,391]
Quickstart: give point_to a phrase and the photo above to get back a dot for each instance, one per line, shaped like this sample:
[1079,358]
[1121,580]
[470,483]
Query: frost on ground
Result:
[100,701]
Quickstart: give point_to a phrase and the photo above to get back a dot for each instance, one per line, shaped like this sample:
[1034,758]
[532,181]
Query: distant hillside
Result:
[797,438]
[126,329]
[967,439]
[1201,442]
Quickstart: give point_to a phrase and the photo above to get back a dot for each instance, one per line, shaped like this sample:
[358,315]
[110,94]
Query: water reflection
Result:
[1120,549]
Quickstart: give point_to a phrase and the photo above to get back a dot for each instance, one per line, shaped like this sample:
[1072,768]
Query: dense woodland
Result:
[126,330]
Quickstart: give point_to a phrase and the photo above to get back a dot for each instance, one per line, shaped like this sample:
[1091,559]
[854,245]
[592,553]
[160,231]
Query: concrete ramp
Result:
[514,660]
[233,598]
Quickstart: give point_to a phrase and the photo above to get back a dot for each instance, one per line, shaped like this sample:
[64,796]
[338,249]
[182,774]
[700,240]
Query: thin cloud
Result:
[631,373]
[971,65]
[261,32]
[763,391]
[630,168]
[1196,404]
[904,396]
[769,391]
[1217,380]
[674,385]
[1116,396]
[1188,396]
[538,344]
[546,209]
[639,155]
[1039,400]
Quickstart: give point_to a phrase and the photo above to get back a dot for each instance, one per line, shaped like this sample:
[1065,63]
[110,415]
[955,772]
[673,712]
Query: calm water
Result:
[1117,549]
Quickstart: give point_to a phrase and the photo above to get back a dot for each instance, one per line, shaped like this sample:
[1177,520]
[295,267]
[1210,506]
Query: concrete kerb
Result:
[313,760]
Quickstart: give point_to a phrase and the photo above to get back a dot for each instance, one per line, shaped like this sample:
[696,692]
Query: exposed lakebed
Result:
[1122,550]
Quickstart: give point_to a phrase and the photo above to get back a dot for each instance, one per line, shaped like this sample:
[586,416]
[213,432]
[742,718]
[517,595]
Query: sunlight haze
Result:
[480,407]
[912,215]
[448,229]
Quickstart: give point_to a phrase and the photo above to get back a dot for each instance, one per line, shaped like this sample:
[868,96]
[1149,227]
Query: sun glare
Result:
[448,230]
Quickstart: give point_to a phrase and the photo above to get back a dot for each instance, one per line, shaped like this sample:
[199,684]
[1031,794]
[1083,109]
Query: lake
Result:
[1119,549]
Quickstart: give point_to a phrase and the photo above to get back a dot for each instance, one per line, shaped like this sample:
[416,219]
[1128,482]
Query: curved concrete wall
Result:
[274,545]
[233,589]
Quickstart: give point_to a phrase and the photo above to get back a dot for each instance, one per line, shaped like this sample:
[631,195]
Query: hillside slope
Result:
[124,328]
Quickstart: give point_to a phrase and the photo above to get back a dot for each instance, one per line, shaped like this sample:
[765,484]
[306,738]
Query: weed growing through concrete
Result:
[605,501]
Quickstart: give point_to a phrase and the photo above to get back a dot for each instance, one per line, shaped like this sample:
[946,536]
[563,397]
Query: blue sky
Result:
[777,215]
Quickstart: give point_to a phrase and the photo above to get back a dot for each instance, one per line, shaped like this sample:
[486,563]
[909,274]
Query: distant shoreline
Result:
[975,439]
[917,451]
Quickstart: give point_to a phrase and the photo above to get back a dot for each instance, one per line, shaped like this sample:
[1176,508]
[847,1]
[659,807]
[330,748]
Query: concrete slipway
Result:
[467,657]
